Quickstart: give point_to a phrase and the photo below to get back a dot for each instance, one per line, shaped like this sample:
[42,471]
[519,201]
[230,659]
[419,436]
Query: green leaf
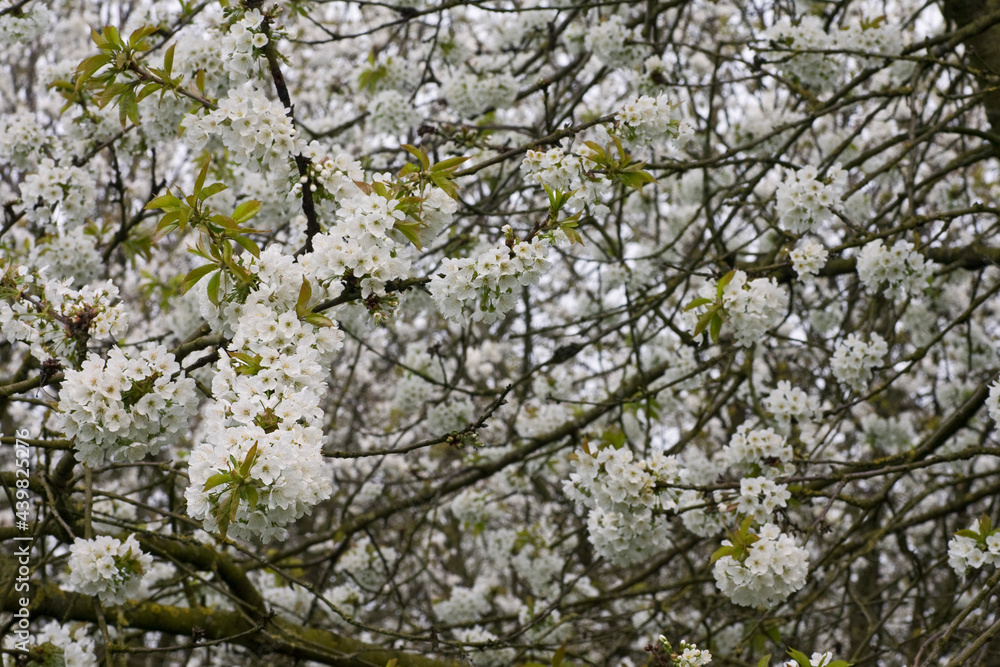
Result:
[800,657]
[89,67]
[410,232]
[840,663]
[213,287]
[217,479]
[723,281]
[449,164]
[697,302]
[112,37]
[721,552]
[558,656]
[302,304]
[250,495]
[199,81]
[199,182]
[192,278]
[139,34]
[165,202]
[246,210]
[129,107]
[318,320]
[705,319]
[247,244]
[765,661]
[168,60]
[213,189]
[147,90]
[715,328]
[248,462]
[418,153]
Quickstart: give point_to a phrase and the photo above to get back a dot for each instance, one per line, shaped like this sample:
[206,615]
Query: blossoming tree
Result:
[499,332]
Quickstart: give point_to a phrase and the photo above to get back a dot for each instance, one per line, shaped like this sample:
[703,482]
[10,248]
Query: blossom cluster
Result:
[469,94]
[253,128]
[854,360]
[25,24]
[59,197]
[786,403]
[804,200]
[625,499]
[358,244]
[70,645]
[760,497]
[972,548]
[108,568]
[241,41]
[266,414]
[21,135]
[646,119]
[485,285]
[901,266]
[753,306]
[807,39]
[610,41]
[761,449]
[772,568]
[71,254]
[58,321]
[126,406]
[808,257]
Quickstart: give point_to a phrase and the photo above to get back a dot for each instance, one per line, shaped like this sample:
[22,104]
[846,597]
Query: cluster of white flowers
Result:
[752,307]
[21,138]
[125,407]
[52,325]
[489,657]
[993,404]
[368,566]
[71,254]
[463,604]
[871,41]
[553,168]
[758,448]
[901,266]
[760,496]
[786,402]
[73,642]
[469,94]
[254,129]
[267,390]
[817,659]
[392,113]
[853,359]
[965,551]
[485,285]
[624,498]
[108,568]
[335,177]
[805,38]
[241,40]
[646,119]
[808,257]
[774,567]
[804,201]
[359,243]
[24,25]
[57,197]
[611,41]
